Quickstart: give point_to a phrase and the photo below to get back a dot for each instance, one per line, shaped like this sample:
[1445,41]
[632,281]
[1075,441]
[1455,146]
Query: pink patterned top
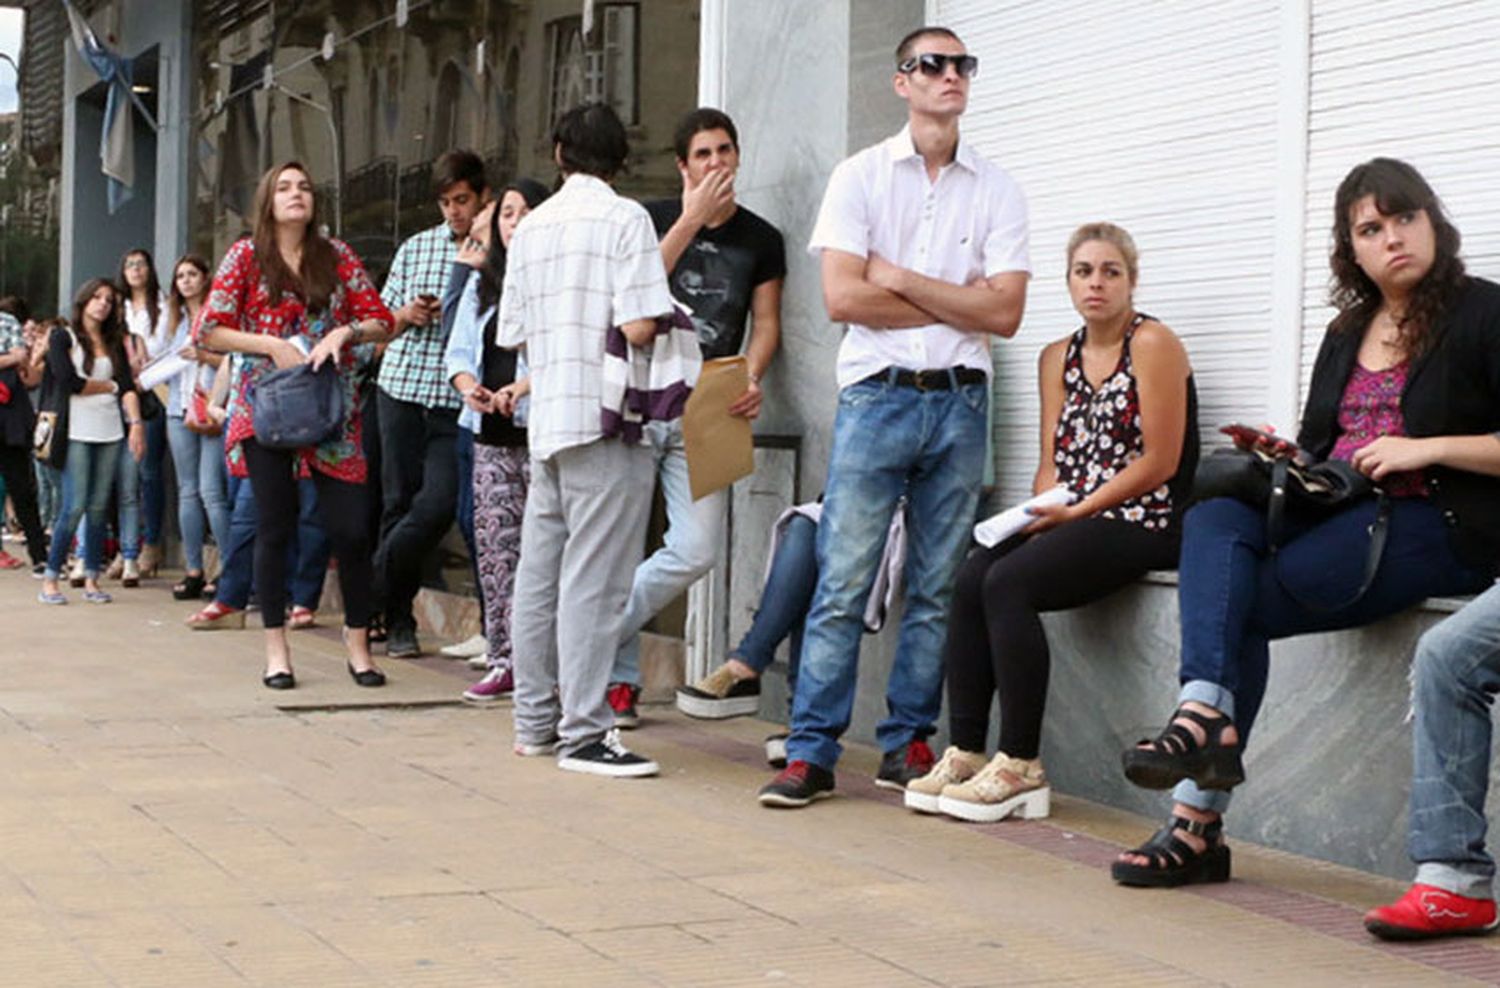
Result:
[240,299]
[1371,408]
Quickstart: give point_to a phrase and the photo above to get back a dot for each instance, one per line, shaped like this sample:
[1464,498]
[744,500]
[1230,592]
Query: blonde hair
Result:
[1111,234]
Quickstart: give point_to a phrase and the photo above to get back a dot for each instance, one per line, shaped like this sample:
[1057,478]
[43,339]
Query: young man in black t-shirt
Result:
[723,263]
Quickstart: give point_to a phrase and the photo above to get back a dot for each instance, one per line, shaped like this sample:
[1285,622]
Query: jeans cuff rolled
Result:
[1207,692]
[1467,881]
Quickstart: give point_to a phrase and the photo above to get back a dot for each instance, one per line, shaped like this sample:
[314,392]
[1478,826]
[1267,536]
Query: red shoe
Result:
[7,561]
[1426,911]
[622,699]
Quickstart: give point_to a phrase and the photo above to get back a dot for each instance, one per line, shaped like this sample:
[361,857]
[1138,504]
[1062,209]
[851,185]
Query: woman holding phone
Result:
[285,296]
[486,375]
[1406,388]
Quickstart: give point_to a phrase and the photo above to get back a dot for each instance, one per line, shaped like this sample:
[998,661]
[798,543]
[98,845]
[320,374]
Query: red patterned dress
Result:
[240,299]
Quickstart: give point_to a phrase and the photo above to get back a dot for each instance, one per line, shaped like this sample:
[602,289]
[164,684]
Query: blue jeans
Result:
[463,454]
[153,479]
[128,492]
[1454,680]
[784,601]
[1235,596]
[201,490]
[307,556]
[695,532]
[85,492]
[48,491]
[888,440]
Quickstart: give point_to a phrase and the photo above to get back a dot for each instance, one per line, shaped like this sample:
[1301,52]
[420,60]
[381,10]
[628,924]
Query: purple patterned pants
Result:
[501,476]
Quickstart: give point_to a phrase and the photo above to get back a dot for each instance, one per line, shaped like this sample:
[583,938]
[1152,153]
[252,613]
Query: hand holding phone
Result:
[1265,439]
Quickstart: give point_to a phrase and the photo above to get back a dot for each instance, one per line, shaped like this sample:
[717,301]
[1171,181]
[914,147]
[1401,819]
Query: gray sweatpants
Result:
[583,534]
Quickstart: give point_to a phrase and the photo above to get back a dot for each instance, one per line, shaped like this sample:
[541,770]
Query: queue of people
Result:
[523,371]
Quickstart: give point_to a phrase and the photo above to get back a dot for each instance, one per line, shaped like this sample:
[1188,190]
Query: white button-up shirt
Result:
[970,221]
[581,262]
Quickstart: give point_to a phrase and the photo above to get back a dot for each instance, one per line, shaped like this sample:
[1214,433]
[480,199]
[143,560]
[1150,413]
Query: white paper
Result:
[997,528]
[162,369]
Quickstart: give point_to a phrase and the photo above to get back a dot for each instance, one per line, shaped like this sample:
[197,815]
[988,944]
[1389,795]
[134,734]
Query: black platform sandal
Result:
[1173,861]
[1174,755]
[190,588]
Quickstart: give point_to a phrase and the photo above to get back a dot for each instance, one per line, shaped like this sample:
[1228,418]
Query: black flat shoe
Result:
[279,681]
[191,588]
[369,677]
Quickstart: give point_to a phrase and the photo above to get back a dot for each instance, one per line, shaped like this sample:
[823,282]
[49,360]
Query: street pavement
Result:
[166,821]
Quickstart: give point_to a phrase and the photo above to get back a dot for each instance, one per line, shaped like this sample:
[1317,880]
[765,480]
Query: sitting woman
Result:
[1120,432]
[1406,388]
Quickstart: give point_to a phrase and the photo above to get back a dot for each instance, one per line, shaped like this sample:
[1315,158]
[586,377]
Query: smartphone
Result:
[1249,437]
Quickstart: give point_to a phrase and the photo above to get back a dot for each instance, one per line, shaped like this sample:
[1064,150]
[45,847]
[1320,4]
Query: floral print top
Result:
[240,299]
[1098,434]
[1371,408]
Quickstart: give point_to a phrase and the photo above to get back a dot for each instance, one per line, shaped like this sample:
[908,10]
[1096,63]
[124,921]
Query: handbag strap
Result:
[1276,503]
[1378,531]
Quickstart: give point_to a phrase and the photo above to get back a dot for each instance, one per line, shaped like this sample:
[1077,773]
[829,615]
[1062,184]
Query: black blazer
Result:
[60,363]
[1453,389]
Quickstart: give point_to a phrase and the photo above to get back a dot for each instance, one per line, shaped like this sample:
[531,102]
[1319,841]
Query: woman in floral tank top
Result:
[283,297]
[1120,432]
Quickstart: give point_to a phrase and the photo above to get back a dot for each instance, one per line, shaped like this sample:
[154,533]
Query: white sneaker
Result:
[474,645]
[534,749]
[480,661]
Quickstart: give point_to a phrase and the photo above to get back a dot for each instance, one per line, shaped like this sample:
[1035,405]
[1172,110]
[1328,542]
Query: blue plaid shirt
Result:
[11,333]
[413,368]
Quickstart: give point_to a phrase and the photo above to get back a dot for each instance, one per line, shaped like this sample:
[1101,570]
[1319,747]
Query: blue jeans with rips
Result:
[888,440]
[1455,677]
[1235,596]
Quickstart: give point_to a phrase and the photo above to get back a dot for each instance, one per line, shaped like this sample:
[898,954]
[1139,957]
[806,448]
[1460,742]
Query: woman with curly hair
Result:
[1406,389]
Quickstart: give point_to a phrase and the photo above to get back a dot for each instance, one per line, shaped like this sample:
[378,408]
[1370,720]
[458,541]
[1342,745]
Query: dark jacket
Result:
[1453,389]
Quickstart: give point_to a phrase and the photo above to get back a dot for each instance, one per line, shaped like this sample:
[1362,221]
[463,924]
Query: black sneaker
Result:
[798,784]
[608,757]
[776,750]
[719,695]
[910,761]
[622,698]
[401,642]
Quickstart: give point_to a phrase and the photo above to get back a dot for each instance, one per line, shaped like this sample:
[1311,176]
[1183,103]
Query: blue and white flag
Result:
[117,142]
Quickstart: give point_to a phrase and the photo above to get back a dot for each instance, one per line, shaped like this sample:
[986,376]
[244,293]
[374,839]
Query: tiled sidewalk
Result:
[162,822]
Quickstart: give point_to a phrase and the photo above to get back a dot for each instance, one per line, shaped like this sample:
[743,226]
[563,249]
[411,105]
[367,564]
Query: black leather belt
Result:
[945,379]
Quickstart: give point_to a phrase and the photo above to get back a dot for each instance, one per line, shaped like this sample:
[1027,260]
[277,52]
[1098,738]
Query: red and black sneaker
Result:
[910,761]
[798,784]
[622,698]
[1426,912]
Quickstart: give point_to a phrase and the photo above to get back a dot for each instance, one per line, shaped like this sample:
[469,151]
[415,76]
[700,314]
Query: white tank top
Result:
[94,418]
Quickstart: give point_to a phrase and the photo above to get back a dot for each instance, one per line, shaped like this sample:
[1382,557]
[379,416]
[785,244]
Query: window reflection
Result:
[398,97]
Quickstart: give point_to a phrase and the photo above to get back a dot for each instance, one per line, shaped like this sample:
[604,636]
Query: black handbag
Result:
[1283,485]
[298,407]
[49,435]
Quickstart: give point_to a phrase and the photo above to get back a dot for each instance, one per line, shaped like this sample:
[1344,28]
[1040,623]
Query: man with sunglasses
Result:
[924,254]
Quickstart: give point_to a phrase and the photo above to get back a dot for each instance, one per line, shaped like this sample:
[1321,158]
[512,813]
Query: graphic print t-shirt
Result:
[719,271]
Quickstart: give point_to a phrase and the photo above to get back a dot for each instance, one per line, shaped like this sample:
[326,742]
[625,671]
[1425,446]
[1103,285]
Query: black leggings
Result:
[995,637]
[343,511]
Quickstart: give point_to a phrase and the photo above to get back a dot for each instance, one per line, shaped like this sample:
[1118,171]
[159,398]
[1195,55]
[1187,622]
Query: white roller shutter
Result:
[1410,80]
[1160,117]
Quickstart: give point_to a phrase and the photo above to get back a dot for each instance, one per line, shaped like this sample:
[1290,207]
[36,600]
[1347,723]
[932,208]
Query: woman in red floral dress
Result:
[284,296]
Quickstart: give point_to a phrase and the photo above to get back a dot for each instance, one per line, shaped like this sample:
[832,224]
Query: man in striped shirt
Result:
[418,410]
[580,263]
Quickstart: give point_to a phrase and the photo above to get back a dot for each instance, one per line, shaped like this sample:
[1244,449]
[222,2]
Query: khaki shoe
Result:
[1005,786]
[719,695]
[116,567]
[150,559]
[954,767]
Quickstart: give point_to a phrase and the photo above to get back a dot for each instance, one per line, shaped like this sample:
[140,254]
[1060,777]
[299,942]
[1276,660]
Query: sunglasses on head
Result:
[933,64]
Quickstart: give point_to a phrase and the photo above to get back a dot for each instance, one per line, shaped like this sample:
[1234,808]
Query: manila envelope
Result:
[719,447]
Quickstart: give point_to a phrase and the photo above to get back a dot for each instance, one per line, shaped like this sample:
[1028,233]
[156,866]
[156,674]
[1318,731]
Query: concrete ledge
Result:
[1329,765]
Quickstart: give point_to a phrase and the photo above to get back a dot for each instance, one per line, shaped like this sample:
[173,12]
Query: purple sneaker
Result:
[496,684]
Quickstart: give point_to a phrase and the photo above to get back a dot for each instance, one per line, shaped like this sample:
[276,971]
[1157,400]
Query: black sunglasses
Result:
[934,64]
